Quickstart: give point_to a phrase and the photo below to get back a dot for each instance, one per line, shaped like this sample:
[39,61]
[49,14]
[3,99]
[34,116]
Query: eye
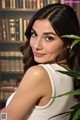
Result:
[33,34]
[49,38]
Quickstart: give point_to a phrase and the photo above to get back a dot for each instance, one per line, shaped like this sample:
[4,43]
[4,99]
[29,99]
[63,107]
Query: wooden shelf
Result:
[18,10]
[10,45]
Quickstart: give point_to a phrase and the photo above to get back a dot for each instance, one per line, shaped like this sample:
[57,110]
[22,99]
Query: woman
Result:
[45,52]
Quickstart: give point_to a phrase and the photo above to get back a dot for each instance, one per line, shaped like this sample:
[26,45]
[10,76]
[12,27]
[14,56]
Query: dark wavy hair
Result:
[65,22]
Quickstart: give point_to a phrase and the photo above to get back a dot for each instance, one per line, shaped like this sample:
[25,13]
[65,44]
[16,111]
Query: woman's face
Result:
[45,43]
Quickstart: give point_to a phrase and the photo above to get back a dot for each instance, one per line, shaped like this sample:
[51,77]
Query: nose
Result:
[38,44]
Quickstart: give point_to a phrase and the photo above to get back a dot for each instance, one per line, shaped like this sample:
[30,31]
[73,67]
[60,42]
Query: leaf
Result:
[77,106]
[75,114]
[71,36]
[74,43]
[71,93]
[75,37]
[66,113]
[72,73]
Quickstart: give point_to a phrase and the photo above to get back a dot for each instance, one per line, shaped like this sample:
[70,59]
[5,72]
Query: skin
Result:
[45,43]
[35,87]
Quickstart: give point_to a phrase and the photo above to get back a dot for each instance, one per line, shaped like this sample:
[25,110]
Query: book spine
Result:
[17,30]
[27,4]
[20,2]
[62,1]
[0,30]
[0,4]
[30,4]
[44,2]
[3,29]
[11,4]
[34,4]
[55,1]
[25,26]
[41,3]
[12,30]
[38,4]
[7,29]
[7,3]
[12,61]
[21,63]
[14,4]
[48,2]
[78,11]
[7,61]
[17,61]
[2,61]
[24,4]
[21,28]
[3,4]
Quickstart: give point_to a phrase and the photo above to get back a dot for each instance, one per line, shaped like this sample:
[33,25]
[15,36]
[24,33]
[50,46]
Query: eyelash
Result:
[33,34]
[47,38]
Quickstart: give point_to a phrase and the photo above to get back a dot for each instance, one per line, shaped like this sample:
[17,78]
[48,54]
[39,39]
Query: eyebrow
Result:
[45,32]
[50,33]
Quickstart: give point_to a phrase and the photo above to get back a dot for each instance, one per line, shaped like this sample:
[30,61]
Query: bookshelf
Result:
[13,23]
[14,17]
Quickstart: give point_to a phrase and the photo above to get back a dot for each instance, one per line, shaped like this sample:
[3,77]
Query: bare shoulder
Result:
[35,82]
[35,75]
[37,71]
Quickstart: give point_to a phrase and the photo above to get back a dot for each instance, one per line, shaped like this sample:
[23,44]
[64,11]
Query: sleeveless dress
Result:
[61,83]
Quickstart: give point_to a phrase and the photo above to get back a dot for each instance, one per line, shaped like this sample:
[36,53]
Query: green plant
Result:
[75,110]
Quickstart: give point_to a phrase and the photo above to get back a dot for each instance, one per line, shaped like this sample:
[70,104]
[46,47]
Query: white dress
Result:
[61,83]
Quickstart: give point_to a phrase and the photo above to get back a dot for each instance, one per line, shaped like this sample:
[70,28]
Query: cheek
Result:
[31,43]
[49,49]
[54,49]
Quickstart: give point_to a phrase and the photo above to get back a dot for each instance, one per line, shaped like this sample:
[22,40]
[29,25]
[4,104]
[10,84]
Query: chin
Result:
[41,61]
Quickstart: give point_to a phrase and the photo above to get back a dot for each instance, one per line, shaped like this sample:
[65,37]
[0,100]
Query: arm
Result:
[30,90]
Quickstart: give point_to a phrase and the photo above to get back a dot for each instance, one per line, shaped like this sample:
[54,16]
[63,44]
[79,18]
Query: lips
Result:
[38,54]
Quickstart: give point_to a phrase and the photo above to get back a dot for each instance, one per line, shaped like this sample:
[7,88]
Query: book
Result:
[12,30]
[3,25]
[42,3]
[14,4]
[17,30]
[21,29]
[2,61]
[27,4]
[7,29]
[12,61]
[17,61]
[20,3]
[24,4]
[30,4]
[25,26]
[38,4]
[11,4]
[7,61]
[34,4]
[0,4]
[0,30]
[78,10]
[3,4]
[7,4]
